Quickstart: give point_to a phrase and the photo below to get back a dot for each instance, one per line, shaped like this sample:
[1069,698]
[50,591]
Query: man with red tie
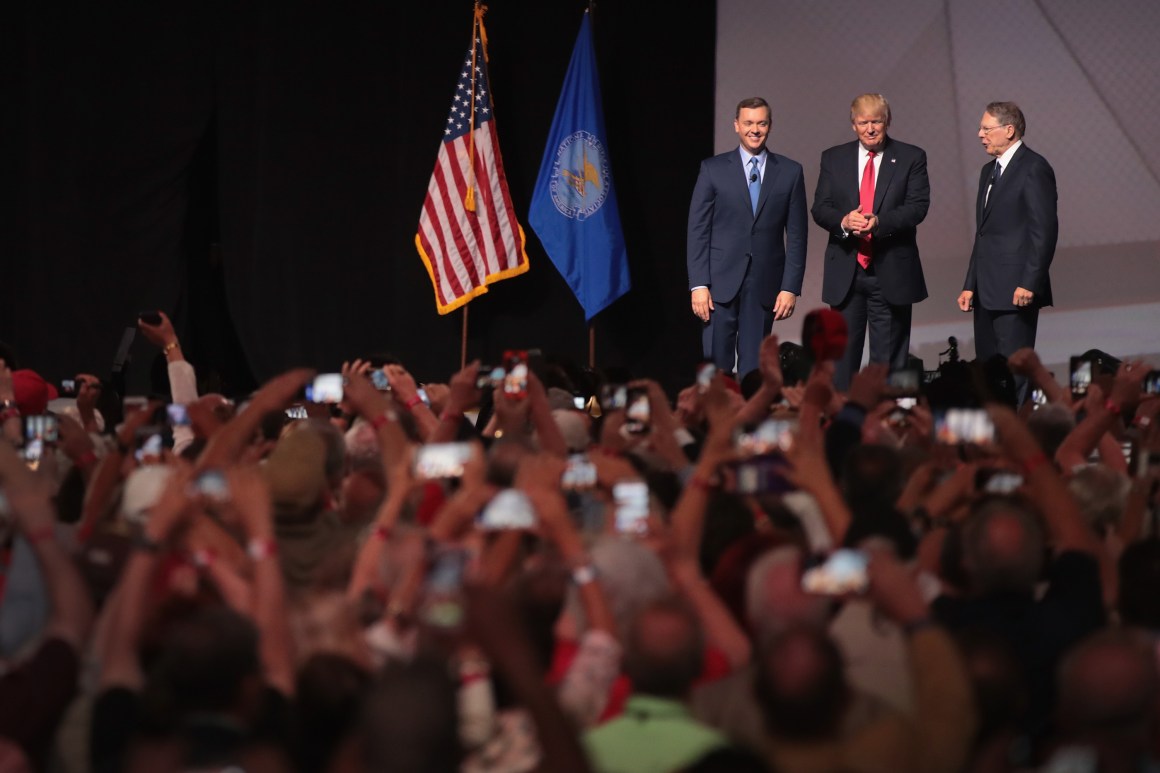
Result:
[872,193]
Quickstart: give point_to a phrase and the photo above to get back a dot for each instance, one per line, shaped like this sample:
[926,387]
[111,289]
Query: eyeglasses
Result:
[989,129]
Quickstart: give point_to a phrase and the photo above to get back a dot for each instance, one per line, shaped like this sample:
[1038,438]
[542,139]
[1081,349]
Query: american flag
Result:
[468,233]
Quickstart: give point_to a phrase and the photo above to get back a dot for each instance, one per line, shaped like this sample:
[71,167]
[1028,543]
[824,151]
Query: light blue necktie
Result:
[754,183]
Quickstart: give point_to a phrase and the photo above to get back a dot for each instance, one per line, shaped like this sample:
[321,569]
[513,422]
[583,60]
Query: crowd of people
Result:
[570,572]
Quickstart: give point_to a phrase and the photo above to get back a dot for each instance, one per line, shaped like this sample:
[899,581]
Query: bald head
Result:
[1108,684]
[1003,547]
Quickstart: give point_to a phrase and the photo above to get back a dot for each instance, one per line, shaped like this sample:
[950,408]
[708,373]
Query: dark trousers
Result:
[1005,332]
[736,329]
[889,327]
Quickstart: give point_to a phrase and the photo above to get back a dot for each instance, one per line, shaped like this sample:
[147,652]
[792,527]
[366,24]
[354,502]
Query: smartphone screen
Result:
[765,474]
[705,373]
[637,411]
[442,605]
[515,380]
[379,379]
[904,382]
[770,436]
[579,474]
[1152,383]
[326,388]
[842,573]
[441,460]
[509,509]
[212,485]
[631,501]
[614,397]
[178,415]
[1081,377]
[68,386]
[489,377]
[964,425]
[1002,482]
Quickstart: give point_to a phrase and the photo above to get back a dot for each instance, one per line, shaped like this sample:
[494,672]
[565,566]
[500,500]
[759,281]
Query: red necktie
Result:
[866,199]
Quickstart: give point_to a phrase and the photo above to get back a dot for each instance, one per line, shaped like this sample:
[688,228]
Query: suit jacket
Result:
[1016,233]
[901,200]
[726,238]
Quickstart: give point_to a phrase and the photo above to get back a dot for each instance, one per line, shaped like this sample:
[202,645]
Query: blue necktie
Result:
[754,183]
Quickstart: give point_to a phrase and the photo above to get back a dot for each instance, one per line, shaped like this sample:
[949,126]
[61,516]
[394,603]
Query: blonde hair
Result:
[875,103]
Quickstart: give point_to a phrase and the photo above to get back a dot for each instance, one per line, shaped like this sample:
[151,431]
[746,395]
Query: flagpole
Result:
[591,345]
[463,339]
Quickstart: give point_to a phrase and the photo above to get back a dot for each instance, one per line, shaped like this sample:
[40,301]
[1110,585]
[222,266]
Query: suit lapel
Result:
[742,179]
[1006,180]
[886,169]
[854,181]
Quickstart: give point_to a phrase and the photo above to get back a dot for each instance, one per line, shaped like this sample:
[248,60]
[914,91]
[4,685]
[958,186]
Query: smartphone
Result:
[379,379]
[441,460]
[764,474]
[177,414]
[705,373]
[996,481]
[490,376]
[614,397]
[631,501]
[212,485]
[904,383]
[68,386]
[442,605]
[770,436]
[296,412]
[579,402]
[40,435]
[150,317]
[509,509]
[326,388]
[842,573]
[637,413]
[1038,398]
[152,442]
[579,474]
[1081,377]
[423,396]
[1152,383]
[964,425]
[515,380]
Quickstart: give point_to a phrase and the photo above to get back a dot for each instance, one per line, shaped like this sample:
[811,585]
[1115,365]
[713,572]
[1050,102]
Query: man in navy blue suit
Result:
[1017,227]
[872,193]
[746,242]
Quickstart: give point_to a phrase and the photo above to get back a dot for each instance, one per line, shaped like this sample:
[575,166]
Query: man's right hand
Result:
[966,298]
[702,303]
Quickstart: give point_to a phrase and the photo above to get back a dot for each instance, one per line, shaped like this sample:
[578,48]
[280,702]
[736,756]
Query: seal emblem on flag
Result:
[580,176]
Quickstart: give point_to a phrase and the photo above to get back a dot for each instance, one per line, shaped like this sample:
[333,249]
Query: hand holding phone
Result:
[509,509]
[441,460]
[515,381]
[964,425]
[637,412]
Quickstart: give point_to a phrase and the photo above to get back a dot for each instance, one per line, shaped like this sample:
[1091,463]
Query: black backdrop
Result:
[298,137]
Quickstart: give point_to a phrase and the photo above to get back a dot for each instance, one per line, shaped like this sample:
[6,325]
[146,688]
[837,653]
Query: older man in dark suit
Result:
[872,193]
[1017,227]
[746,242]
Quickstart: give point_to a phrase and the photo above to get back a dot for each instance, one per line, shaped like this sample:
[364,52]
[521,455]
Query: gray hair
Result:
[768,614]
[1009,114]
[631,575]
[1101,493]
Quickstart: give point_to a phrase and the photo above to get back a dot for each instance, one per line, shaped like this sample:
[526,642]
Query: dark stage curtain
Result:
[298,137]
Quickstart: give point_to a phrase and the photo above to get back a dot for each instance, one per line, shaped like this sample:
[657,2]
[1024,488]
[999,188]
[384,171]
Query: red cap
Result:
[32,392]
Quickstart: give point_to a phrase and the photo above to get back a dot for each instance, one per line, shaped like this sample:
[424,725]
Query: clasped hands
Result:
[858,224]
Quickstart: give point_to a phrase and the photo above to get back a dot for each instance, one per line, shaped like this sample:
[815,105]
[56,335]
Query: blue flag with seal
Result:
[574,204]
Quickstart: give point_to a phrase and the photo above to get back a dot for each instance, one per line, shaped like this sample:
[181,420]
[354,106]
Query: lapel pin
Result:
[893,160]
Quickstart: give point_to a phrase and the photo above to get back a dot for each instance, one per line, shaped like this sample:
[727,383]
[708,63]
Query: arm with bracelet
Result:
[406,394]
[182,377]
[1124,395]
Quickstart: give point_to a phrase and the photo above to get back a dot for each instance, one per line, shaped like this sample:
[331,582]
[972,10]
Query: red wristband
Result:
[86,460]
[450,415]
[10,413]
[382,532]
[412,401]
[1034,463]
[1111,407]
[380,420]
[705,484]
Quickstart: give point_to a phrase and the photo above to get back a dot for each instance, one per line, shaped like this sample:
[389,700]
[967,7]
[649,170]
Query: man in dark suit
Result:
[1017,227]
[872,194]
[746,242]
